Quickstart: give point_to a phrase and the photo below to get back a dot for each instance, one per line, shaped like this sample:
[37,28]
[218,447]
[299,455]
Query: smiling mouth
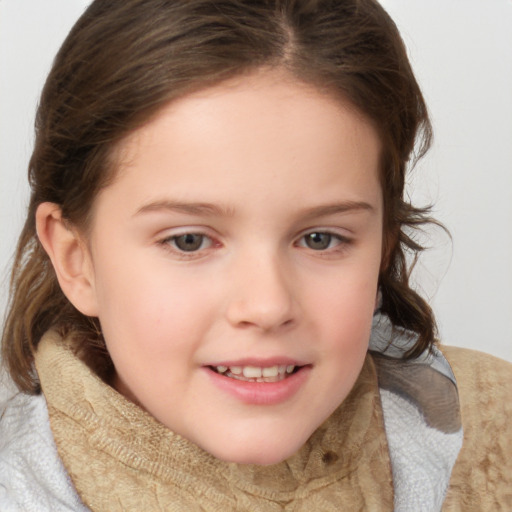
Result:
[257,374]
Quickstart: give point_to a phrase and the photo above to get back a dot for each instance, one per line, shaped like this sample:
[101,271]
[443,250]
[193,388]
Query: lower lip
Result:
[261,393]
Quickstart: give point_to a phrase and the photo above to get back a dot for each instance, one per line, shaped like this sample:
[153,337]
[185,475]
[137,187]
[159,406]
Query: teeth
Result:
[252,372]
[272,371]
[267,374]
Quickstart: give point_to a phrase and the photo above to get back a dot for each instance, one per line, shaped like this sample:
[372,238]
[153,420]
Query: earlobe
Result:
[69,256]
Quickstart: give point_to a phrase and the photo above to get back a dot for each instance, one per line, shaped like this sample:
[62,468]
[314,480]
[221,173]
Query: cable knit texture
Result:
[121,459]
[482,476]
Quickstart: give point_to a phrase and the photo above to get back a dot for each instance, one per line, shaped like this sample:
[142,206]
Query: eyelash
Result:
[341,241]
[169,243]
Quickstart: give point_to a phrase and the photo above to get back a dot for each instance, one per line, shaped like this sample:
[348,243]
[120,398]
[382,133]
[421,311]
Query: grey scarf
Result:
[421,415]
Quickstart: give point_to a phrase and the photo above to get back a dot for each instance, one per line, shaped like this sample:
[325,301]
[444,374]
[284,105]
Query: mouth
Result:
[261,383]
[275,373]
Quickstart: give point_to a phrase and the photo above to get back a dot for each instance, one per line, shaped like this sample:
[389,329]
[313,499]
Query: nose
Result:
[262,294]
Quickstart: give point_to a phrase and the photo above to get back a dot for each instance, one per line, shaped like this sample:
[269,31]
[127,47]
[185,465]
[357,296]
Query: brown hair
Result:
[125,59]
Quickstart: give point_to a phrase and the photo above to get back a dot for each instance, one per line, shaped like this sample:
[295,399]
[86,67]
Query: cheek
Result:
[344,309]
[344,319]
[348,293]
[152,309]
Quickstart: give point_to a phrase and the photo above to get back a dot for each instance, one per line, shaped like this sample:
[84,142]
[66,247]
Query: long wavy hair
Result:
[125,59]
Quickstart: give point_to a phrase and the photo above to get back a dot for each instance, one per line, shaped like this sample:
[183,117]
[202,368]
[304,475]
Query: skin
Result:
[274,160]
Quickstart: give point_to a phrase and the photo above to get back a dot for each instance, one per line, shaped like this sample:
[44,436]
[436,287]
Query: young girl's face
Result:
[234,263]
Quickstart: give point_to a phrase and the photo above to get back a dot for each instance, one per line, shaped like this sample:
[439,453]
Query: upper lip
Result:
[259,362]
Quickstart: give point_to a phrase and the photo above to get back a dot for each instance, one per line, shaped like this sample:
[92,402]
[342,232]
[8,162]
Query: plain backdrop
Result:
[461,51]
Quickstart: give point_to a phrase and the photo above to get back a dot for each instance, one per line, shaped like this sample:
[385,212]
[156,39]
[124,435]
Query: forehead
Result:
[255,129]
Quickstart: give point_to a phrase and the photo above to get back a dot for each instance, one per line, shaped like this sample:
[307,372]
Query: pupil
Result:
[318,241]
[189,242]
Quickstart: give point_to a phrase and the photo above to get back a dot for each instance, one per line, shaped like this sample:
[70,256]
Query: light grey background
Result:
[462,53]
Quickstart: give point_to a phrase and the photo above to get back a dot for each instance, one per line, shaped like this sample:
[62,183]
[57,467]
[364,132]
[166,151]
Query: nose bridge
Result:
[262,293]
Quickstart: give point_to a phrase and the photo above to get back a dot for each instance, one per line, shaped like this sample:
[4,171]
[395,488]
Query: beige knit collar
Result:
[120,458]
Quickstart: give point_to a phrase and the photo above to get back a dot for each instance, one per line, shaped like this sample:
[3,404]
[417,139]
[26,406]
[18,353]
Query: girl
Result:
[210,302]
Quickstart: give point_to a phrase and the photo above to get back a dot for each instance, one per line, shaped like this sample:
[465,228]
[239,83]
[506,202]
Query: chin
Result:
[261,454]
[259,459]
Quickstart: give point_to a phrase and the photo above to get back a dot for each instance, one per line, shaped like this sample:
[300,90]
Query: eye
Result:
[189,242]
[320,241]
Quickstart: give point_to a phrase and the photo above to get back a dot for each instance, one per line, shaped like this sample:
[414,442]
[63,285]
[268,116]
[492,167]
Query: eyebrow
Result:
[210,209]
[337,208]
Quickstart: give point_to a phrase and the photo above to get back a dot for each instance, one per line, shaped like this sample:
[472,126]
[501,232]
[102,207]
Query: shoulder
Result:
[477,363]
[482,476]
[31,474]
[485,385]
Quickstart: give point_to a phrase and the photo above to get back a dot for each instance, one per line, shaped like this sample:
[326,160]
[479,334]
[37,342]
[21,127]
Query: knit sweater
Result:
[122,459]
[119,458]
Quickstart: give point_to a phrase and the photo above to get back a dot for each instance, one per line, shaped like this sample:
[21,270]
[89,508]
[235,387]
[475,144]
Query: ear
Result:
[70,258]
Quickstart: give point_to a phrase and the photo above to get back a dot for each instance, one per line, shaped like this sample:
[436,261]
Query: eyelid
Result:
[166,238]
[174,232]
[343,239]
[334,232]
